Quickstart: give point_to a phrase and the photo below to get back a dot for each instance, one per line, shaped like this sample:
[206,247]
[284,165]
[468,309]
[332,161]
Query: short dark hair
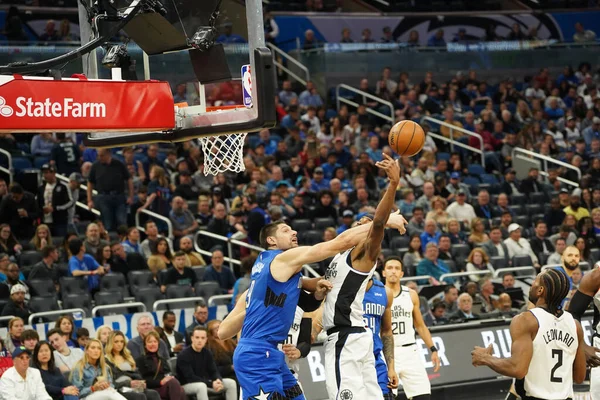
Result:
[179,254]
[81,332]
[54,331]
[251,198]
[495,227]
[15,188]
[199,328]
[565,228]
[539,221]
[46,251]
[448,288]
[393,258]
[418,208]
[444,235]
[75,246]
[267,231]
[29,334]
[168,314]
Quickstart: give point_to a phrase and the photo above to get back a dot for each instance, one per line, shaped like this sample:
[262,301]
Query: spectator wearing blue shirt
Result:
[319,182]
[89,155]
[437,40]
[228,36]
[570,98]
[554,111]
[289,121]
[219,273]
[431,265]
[347,220]
[331,166]
[84,265]
[270,143]
[375,154]
[407,204]
[310,97]
[132,243]
[343,155]
[430,234]
[42,144]
[592,132]
[287,94]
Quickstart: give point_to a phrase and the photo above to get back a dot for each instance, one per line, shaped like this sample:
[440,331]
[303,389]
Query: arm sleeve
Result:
[147,373]
[304,337]
[578,304]
[78,383]
[7,388]
[185,370]
[56,390]
[40,388]
[307,301]
[69,198]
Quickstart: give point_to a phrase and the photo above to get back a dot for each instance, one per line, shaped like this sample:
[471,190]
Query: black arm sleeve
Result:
[304,337]
[307,301]
[579,303]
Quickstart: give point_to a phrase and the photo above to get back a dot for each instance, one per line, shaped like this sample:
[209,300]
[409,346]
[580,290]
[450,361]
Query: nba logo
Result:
[247,85]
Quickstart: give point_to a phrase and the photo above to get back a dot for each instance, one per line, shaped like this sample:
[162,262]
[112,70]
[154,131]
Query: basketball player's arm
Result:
[387,338]
[422,329]
[522,328]
[232,324]
[580,302]
[579,365]
[317,323]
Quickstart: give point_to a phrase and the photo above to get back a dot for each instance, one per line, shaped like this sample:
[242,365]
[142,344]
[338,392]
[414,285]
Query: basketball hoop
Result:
[223,153]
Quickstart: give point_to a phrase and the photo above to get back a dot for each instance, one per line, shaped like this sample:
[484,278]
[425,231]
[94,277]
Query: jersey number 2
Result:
[556,353]
[249,294]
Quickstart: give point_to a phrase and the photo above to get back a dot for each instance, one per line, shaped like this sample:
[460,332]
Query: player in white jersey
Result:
[349,361]
[406,318]
[588,291]
[547,344]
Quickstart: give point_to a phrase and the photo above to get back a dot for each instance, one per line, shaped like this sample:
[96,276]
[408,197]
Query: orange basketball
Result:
[406,138]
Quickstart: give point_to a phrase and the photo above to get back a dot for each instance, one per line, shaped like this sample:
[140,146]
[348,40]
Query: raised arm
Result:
[422,329]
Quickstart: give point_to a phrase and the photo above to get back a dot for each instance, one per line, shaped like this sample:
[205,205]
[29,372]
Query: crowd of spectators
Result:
[157,364]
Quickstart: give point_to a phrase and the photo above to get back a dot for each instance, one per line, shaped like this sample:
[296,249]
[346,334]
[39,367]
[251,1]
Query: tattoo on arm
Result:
[388,347]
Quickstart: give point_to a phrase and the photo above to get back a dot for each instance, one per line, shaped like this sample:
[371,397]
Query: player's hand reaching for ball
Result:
[479,354]
[291,351]
[397,221]
[323,287]
[391,168]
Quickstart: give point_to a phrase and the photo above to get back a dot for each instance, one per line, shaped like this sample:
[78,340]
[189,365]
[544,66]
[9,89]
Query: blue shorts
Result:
[261,370]
[382,373]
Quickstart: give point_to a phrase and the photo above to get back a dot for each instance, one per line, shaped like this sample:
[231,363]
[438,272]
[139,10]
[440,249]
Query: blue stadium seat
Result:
[471,181]
[443,156]
[475,170]
[21,163]
[489,179]
[39,161]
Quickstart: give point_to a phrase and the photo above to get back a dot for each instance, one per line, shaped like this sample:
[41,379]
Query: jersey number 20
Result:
[398,328]
[556,353]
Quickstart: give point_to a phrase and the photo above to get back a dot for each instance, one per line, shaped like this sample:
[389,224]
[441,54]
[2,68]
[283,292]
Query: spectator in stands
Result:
[438,210]
[155,370]
[495,247]
[556,258]
[465,309]
[450,297]
[15,330]
[287,94]
[46,269]
[198,372]
[145,327]
[41,238]
[414,255]
[54,199]
[219,273]
[152,237]
[555,215]
[531,184]
[179,275]
[455,185]
[192,258]
[102,334]
[200,319]
[478,260]
[310,97]
[9,245]
[407,204]
[174,339]
[417,222]
[42,144]
[483,208]
[519,246]
[108,176]
[461,210]
[55,382]
[508,280]
[421,175]
[132,243]
[13,278]
[486,296]
[84,265]
[66,324]
[437,40]
[540,244]
[22,382]
[83,337]
[65,155]
[3,188]
[256,217]
[16,305]
[438,313]
[66,357]
[30,339]
[430,234]
[161,258]
[182,219]
[431,265]
[124,370]
[582,35]
[444,248]
[92,376]
[453,230]
[222,350]
[566,233]
[93,240]
[501,206]
[478,236]
[186,189]
[424,201]
[575,208]
[19,210]
[310,42]
[228,36]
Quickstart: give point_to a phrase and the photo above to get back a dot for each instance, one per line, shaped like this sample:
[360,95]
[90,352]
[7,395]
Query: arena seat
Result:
[162,276]
[104,298]
[42,287]
[199,271]
[519,198]
[302,225]
[30,258]
[70,285]
[139,280]
[522,261]
[80,300]
[498,262]
[148,295]
[538,198]
[179,292]
[324,223]
[207,289]
[399,242]
[43,304]
[115,281]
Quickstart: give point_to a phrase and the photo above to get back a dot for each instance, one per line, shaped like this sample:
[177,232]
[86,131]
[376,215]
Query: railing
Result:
[33,316]
[581,265]
[158,303]
[157,216]
[545,159]
[137,304]
[501,271]
[212,299]
[230,242]
[416,278]
[391,118]
[467,273]
[292,60]
[453,142]
[77,202]
[6,318]
[8,170]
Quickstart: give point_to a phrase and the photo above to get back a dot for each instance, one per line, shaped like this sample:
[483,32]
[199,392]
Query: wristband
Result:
[433,349]
[92,389]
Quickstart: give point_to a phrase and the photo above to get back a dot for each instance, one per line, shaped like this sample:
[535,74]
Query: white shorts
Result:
[595,374]
[411,371]
[350,366]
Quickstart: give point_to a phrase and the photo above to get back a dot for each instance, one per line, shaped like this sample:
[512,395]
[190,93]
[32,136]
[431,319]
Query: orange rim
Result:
[217,108]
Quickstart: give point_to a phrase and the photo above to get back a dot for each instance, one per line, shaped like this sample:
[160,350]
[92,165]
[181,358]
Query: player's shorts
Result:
[261,371]
[350,365]
[595,374]
[411,371]
[382,373]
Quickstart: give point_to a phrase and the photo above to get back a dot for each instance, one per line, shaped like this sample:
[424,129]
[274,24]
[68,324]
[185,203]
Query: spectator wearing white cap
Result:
[518,246]
[21,382]
[16,306]
[13,277]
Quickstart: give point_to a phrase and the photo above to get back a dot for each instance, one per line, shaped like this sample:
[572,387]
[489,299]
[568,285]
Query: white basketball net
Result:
[223,153]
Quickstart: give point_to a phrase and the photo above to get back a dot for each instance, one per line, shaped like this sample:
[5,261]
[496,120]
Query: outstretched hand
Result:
[391,168]
[397,221]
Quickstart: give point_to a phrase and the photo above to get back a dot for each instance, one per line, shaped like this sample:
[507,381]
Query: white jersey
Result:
[550,374]
[402,318]
[344,304]
[292,337]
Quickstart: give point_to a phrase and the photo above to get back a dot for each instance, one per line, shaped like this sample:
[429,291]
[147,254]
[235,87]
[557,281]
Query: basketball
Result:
[406,138]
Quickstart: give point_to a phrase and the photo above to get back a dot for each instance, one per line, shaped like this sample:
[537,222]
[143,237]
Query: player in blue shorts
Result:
[378,317]
[271,304]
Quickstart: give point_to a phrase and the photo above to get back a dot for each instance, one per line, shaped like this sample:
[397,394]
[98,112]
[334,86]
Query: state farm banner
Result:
[34,104]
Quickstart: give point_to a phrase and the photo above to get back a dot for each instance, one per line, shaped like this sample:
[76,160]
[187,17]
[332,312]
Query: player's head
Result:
[552,286]
[392,269]
[278,235]
[571,257]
